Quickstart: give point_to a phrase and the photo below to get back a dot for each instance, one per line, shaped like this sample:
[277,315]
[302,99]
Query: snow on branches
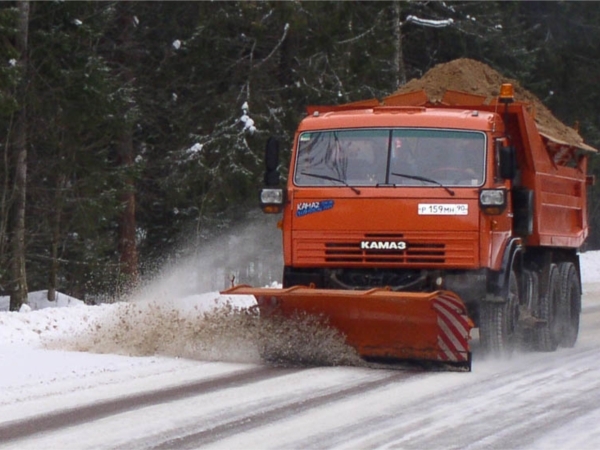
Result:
[247,120]
[429,23]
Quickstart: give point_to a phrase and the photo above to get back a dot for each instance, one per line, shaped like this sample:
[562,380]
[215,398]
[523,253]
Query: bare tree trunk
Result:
[127,245]
[127,224]
[398,54]
[4,206]
[53,275]
[18,289]
[56,222]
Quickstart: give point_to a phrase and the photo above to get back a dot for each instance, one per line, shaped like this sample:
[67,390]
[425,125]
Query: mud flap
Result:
[380,324]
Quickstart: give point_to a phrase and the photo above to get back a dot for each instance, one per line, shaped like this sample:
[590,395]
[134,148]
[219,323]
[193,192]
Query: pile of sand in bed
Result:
[474,77]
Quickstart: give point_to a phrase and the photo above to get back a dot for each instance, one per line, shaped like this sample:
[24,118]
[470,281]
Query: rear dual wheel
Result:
[548,333]
[571,303]
[559,309]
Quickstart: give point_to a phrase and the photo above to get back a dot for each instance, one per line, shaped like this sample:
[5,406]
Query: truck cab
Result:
[409,198]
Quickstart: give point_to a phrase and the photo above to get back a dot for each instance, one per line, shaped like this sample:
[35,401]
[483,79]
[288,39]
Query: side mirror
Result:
[272,162]
[508,162]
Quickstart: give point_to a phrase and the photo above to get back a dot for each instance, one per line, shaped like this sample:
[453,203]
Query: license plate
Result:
[443,209]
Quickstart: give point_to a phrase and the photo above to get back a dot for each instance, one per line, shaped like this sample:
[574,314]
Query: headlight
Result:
[492,201]
[271,196]
[492,197]
[272,200]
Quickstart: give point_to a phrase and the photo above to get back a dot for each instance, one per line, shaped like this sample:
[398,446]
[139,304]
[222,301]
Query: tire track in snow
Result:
[274,413]
[14,430]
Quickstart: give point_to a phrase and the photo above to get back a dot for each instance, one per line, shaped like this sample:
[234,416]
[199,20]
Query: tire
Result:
[530,298]
[570,303]
[531,289]
[549,333]
[498,322]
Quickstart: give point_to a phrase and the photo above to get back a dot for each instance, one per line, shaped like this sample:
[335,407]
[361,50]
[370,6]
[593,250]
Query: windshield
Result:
[407,157]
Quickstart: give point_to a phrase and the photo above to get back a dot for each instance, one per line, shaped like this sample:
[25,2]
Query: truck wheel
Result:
[548,333]
[530,298]
[498,322]
[570,303]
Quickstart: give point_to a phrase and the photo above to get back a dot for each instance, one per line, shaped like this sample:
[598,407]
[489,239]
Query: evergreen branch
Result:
[285,31]
[360,36]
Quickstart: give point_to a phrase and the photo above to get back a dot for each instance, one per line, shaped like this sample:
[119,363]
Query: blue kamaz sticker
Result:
[304,208]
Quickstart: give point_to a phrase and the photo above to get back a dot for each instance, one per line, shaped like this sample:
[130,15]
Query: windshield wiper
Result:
[327,177]
[425,179]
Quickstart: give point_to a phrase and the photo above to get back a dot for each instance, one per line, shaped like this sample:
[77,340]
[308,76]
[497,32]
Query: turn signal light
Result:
[272,209]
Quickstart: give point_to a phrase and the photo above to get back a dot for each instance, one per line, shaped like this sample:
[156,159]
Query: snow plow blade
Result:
[380,324]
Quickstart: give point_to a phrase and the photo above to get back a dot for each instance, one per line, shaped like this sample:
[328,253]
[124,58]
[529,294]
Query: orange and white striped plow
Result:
[380,324]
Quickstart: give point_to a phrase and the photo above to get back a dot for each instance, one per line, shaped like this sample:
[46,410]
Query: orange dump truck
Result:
[408,223]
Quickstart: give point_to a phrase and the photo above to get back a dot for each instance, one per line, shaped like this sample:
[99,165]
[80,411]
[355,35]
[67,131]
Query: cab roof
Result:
[399,116]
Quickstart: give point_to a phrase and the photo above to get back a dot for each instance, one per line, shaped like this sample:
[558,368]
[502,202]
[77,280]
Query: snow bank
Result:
[39,300]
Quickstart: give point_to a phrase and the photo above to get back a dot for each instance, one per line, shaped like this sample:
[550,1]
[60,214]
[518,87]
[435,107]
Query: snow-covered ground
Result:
[66,361]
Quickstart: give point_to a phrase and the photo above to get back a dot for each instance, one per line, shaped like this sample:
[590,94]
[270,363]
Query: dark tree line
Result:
[121,120]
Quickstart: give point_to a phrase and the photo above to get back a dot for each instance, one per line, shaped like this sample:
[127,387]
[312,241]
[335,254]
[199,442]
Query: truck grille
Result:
[415,253]
[439,249]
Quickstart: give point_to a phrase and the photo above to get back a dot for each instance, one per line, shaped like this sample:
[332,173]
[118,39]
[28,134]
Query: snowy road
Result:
[91,401]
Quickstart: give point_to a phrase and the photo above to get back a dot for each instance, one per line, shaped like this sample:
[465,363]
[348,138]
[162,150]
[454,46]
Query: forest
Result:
[130,128]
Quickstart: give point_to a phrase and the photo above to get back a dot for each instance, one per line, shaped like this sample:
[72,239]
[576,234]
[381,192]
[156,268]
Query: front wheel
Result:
[498,322]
